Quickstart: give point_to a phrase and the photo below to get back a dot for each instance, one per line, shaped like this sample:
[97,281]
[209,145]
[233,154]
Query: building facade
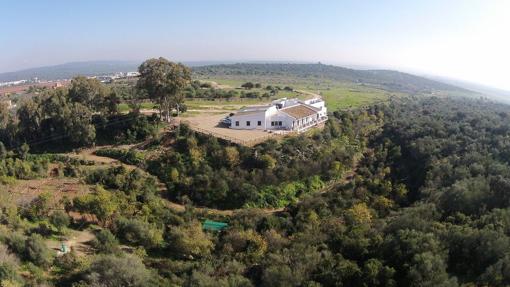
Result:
[282,114]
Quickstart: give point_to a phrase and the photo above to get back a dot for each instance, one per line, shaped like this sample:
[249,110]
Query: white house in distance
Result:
[283,114]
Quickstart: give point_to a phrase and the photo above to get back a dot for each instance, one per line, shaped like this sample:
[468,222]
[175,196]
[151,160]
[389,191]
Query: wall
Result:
[253,118]
[284,118]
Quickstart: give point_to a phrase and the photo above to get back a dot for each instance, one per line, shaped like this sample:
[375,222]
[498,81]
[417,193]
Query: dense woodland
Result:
[273,174]
[413,192]
[427,206]
[62,119]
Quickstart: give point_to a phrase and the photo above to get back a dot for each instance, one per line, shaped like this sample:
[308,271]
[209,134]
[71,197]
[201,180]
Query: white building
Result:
[282,114]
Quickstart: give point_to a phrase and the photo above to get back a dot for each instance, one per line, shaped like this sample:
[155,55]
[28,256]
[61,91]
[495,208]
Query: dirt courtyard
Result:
[209,124]
[24,191]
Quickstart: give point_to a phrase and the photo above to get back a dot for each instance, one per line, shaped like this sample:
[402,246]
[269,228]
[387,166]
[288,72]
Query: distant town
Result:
[10,92]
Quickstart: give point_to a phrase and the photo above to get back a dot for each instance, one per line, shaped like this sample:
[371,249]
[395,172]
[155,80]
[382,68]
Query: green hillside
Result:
[388,80]
[340,87]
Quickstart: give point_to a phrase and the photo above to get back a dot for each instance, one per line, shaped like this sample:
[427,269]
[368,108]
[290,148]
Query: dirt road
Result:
[78,241]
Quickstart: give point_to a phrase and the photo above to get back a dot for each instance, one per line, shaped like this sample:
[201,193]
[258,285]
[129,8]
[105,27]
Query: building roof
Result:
[300,111]
[252,110]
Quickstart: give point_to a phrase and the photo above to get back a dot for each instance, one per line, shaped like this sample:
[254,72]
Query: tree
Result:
[39,207]
[138,232]
[3,151]
[249,243]
[9,264]
[248,85]
[79,127]
[88,92]
[101,203]
[37,252]
[111,103]
[29,119]
[359,214]
[128,270]
[164,82]
[190,240]
[4,115]
[59,219]
[231,156]
[268,162]
[105,242]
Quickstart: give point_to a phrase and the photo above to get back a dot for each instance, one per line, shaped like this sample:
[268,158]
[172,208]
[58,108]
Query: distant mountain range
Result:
[385,79]
[89,68]
[69,70]
[493,93]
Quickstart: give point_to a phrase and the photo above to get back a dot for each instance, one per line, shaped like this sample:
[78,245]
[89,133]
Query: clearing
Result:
[24,191]
[78,241]
[209,124]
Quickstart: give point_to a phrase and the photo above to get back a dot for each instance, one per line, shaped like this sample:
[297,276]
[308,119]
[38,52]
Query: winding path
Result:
[88,154]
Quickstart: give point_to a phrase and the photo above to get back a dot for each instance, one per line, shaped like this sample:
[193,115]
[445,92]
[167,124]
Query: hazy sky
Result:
[463,39]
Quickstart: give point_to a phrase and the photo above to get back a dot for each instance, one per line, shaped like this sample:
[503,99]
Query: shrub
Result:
[60,220]
[105,242]
[37,252]
[68,262]
[39,208]
[129,156]
[9,264]
[190,240]
[107,270]
[16,242]
[137,232]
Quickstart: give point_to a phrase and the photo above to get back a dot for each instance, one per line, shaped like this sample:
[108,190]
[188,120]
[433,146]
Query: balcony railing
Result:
[303,127]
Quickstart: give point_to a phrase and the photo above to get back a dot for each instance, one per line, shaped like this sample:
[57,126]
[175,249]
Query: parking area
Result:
[209,124]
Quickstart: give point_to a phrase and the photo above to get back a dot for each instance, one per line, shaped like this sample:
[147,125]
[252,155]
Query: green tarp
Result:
[213,225]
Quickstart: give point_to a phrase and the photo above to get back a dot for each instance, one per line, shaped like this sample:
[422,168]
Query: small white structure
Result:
[282,114]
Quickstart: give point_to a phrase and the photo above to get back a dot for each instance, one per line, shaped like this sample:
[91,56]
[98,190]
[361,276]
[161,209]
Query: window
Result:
[237,123]
[272,124]
[259,123]
[247,123]
[280,123]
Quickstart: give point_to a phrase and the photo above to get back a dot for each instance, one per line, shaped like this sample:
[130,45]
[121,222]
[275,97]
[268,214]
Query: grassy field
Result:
[347,96]
[338,95]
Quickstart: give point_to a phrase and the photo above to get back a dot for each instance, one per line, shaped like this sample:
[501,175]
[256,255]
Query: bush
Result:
[60,220]
[38,208]
[124,129]
[105,242]
[37,252]
[137,232]
[9,264]
[190,240]
[16,242]
[68,262]
[128,270]
[129,156]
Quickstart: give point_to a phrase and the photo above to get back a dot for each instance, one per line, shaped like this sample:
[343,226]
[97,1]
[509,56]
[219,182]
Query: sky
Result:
[461,39]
